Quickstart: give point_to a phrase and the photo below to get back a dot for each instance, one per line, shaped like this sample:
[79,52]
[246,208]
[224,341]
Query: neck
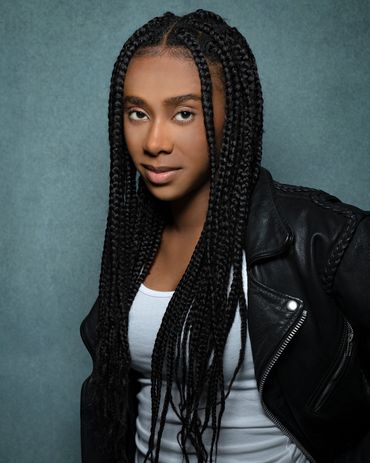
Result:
[189,214]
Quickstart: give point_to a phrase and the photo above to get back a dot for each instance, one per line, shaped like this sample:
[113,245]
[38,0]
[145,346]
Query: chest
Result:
[171,261]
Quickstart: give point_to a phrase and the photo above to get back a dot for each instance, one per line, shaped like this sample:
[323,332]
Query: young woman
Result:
[233,314]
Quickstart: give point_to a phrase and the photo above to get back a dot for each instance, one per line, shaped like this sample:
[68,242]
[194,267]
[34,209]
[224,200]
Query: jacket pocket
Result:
[344,357]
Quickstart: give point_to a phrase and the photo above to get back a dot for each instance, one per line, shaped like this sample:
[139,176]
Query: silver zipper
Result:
[264,377]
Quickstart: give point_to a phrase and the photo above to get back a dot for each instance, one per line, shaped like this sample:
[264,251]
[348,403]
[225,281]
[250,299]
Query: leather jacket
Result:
[308,257]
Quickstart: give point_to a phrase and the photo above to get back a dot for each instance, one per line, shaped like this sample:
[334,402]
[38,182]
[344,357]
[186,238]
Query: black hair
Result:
[190,342]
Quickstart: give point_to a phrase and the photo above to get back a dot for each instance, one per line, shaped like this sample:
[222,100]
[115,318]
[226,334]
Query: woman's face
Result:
[164,127]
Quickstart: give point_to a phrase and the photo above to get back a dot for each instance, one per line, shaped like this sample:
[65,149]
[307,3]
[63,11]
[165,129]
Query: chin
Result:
[167,197]
[165,193]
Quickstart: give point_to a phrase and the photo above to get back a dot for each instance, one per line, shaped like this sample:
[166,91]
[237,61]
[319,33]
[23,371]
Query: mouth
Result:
[160,175]
[160,168]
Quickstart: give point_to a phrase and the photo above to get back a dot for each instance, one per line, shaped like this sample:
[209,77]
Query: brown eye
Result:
[139,115]
[187,115]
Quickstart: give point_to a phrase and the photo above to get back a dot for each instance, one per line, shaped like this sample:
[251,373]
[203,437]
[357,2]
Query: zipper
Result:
[347,343]
[272,362]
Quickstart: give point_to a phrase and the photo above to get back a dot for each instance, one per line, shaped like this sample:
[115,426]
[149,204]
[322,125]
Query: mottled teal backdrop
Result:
[56,61]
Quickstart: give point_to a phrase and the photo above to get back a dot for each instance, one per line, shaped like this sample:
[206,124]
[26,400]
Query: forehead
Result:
[162,74]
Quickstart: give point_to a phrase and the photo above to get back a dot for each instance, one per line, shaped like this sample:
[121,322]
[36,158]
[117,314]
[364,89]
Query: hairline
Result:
[181,53]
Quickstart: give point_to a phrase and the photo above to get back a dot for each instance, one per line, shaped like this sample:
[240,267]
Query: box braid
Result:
[190,342]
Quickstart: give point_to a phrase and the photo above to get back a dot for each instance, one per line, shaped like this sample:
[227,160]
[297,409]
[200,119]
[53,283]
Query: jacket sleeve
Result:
[352,287]
[89,450]
[352,291]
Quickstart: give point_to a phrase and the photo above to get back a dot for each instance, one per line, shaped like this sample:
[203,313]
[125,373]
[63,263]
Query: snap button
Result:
[292,305]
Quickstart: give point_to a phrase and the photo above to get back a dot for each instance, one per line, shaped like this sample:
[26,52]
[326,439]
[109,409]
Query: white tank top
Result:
[246,434]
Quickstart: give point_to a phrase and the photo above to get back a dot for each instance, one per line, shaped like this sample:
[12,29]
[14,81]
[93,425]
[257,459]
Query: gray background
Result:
[56,61]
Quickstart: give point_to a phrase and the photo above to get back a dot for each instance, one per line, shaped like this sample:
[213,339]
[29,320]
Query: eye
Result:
[138,118]
[186,114]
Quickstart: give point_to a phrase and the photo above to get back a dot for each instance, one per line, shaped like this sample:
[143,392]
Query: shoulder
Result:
[88,328]
[315,201]
[317,210]
[321,225]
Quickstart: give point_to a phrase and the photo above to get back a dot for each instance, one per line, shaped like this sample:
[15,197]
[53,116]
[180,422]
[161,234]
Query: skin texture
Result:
[172,135]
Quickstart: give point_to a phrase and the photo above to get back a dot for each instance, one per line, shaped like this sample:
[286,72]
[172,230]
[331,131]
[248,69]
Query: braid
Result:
[190,343]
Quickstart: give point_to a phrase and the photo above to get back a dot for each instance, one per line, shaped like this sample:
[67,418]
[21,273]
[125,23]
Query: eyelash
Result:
[129,112]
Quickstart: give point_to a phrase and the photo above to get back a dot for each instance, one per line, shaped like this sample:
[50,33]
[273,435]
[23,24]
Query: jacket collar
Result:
[267,233]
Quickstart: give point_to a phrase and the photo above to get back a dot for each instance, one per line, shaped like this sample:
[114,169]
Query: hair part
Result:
[189,346]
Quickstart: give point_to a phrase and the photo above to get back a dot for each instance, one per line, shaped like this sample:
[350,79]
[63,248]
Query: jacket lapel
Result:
[270,314]
[267,234]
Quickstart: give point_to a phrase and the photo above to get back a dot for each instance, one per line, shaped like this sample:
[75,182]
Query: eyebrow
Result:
[171,101]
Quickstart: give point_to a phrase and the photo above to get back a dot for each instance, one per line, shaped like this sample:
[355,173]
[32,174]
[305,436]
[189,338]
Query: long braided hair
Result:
[190,342]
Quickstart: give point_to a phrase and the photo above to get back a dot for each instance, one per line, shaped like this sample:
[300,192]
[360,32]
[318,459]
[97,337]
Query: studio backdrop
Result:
[56,62]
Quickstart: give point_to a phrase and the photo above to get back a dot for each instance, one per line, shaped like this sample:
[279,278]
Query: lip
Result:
[159,177]
[159,168]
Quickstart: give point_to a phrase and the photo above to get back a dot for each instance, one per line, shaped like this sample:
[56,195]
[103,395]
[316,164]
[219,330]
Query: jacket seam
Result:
[342,242]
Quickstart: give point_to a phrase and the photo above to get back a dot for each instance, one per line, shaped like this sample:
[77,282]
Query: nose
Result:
[158,139]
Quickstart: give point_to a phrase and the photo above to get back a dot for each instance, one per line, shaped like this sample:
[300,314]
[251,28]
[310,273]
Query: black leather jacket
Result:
[308,258]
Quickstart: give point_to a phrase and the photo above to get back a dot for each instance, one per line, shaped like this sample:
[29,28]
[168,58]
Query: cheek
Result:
[194,139]
[195,148]
[132,142]
[200,150]
[128,135]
